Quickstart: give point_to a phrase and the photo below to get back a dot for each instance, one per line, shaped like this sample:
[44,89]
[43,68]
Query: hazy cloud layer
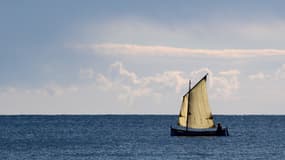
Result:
[126,88]
[49,90]
[155,50]
[128,85]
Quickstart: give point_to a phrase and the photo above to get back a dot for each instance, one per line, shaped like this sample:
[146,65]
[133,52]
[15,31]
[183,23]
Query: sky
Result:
[136,57]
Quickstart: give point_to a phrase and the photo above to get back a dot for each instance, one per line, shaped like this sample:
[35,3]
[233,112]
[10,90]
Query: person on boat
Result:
[219,128]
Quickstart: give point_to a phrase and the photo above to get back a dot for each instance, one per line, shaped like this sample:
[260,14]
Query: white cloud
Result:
[124,72]
[230,72]
[103,82]
[129,86]
[225,84]
[149,50]
[258,76]
[124,92]
[124,88]
[279,73]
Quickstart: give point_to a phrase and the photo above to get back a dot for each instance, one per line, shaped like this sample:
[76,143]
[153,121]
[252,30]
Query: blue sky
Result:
[135,57]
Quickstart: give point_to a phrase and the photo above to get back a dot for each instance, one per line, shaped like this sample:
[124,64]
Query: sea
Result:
[136,137]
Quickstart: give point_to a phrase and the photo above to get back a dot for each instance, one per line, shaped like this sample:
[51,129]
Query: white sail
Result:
[200,115]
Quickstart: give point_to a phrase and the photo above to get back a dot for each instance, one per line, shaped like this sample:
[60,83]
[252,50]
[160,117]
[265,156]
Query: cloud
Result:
[258,76]
[129,86]
[156,50]
[278,74]
[103,82]
[49,90]
[218,33]
[126,93]
[87,73]
[118,66]
[58,90]
[128,89]
[226,83]
[230,72]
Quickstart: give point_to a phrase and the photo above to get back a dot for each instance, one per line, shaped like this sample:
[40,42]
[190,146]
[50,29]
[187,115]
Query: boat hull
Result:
[192,133]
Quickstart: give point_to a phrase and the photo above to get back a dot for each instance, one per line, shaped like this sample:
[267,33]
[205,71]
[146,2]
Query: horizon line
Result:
[133,114]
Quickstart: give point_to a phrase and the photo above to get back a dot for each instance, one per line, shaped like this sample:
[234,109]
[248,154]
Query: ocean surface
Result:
[114,137]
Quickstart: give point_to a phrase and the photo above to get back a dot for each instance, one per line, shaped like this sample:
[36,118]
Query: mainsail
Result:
[195,111]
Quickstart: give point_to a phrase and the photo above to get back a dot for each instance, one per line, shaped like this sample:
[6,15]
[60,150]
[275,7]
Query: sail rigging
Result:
[196,108]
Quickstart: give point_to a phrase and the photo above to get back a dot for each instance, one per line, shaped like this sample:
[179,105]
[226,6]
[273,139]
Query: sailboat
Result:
[195,118]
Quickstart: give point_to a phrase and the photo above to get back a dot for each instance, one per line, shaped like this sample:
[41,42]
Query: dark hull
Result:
[180,132]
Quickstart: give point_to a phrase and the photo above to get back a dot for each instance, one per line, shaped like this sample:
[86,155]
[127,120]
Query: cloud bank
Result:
[129,86]
[156,50]
[131,92]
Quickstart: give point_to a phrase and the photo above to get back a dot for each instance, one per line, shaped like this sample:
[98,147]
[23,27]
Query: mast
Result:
[188,106]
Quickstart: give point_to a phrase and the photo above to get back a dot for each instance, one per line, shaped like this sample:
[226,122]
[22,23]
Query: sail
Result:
[200,115]
[183,112]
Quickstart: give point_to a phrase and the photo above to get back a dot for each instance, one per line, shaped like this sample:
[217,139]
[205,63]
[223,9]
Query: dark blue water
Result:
[136,137]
